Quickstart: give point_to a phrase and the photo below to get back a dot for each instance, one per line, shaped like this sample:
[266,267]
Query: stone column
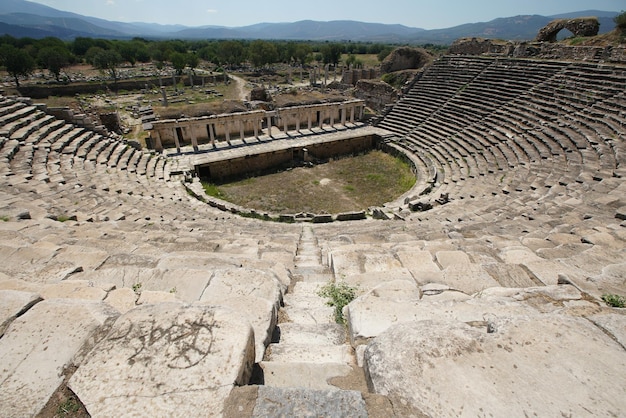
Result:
[309,119]
[352,114]
[298,116]
[227,131]
[176,141]
[158,145]
[343,114]
[256,129]
[332,110]
[212,133]
[285,123]
[241,129]
[194,140]
[164,96]
[269,126]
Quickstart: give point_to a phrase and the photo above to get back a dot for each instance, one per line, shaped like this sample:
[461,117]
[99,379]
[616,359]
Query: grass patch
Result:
[4,218]
[339,295]
[213,191]
[343,185]
[614,301]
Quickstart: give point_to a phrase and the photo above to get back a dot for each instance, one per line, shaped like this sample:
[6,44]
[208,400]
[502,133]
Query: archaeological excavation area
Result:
[481,292]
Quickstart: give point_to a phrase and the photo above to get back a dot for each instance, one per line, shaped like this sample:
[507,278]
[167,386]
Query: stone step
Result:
[267,401]
[316,334]
[304,353]
[309,314]
[302,375]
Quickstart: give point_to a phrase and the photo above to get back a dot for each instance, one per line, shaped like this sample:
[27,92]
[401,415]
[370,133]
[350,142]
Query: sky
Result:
[426,14]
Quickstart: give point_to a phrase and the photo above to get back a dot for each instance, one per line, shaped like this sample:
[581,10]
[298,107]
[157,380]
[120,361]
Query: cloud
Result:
[110,2]
[211,11]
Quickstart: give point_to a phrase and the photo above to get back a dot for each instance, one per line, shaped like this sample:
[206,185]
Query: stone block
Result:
[39,345]
[169,359]
[544,365]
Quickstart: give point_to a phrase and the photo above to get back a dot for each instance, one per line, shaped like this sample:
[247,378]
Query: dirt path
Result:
[243,93]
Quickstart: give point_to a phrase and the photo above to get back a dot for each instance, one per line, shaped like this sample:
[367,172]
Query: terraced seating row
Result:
[514,114]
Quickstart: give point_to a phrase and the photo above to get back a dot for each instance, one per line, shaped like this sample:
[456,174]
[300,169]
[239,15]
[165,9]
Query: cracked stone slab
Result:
[13,304]
[170,359]
[39,345]
[542,365]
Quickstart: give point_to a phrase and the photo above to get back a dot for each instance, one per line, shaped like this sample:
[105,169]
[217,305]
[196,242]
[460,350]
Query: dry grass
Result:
[348,184]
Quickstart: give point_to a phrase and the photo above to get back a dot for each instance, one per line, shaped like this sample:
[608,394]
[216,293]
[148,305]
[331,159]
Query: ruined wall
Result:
[583,26]
[541,50]
[230,125]
[405,58]
[256,164]
[354,75]
[376,93]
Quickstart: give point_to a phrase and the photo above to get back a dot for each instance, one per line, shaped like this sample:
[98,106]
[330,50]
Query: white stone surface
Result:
[302,375]
[168,359]
[14,303]
[39,345]
[532,365]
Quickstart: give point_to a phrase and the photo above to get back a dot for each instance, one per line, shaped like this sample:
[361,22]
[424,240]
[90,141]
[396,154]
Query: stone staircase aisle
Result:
[309,349]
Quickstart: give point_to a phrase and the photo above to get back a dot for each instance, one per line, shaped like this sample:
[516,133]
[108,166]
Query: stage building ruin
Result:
[224,127]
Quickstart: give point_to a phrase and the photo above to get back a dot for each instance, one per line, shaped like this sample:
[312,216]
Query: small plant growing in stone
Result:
[339,294]
[68,407]
[4,218]
[615,301]
[137,288]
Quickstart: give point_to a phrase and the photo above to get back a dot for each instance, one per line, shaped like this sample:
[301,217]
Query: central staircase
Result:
[309,349]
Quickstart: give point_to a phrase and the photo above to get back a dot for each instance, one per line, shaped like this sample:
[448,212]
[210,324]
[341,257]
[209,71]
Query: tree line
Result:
[21,56]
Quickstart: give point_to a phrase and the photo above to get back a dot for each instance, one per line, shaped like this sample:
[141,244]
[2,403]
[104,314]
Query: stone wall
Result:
[376,93]
[256,164]
[542,50]
[354,75]
[405,58]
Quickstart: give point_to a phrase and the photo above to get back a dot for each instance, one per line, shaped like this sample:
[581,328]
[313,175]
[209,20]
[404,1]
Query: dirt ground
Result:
[344,185]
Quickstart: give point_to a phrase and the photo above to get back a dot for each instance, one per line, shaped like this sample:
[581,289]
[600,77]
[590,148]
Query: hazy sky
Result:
[427,14]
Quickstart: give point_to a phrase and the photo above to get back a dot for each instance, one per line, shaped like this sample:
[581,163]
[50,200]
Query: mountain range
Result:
[22,18]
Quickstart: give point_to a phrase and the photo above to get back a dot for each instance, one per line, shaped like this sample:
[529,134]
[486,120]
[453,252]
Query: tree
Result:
[354,61]
[230,52]
[107,60]
[262,53]
[54,59]
[179,60]
[620,20]
[192,61]
[17,62]
[302,54]
[331,53]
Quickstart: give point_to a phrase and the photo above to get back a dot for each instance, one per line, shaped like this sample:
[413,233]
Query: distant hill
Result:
[22,18]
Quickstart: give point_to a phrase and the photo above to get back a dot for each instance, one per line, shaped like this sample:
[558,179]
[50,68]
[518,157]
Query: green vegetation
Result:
[4,218]
[620,20]
[615,301]
[63,218]
[68,407]
[339,294]
[213,190]
[137,288]
[17,62]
